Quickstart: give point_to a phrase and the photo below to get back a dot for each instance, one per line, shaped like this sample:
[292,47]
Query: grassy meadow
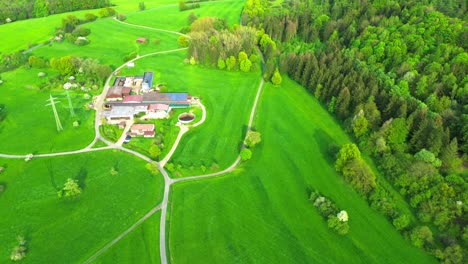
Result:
[260,213]
[38,30]
[170,18]
[139,246]
[69,231]
[29,126]
[110,42]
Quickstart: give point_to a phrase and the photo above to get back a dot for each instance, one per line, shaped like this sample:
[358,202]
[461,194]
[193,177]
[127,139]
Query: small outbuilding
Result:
[141,40]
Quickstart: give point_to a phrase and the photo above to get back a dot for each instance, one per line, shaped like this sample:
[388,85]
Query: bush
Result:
[246,154]
[141,6]
[81,32]
[340,227]
[183,41]
[401,222]
[89,17]
[19,252]
[253,138]
[121,17]
[81,41]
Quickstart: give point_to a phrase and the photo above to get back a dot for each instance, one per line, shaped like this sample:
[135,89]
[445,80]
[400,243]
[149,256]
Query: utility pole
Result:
[70,105]
[57,119]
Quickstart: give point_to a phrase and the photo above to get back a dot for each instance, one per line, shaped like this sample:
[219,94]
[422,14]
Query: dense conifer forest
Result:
[394,73]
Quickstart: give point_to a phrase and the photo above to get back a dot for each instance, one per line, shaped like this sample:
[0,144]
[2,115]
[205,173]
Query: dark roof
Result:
[126,90]
[114,92]
[148,77]
[119,81]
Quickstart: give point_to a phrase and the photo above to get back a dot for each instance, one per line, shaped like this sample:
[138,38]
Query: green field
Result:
[67,231]
[261,213]
[110,41]
[36,31]
[140,246]
[30,127]
[169,17]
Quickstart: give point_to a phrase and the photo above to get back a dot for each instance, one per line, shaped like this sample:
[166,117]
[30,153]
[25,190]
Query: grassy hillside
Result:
[69,231]
[169,17]
[110,42]
[261,212]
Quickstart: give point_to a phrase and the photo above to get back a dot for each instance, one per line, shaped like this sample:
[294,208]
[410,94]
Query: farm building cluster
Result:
[133,95]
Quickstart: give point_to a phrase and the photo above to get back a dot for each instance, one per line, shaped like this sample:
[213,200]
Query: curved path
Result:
[99,100]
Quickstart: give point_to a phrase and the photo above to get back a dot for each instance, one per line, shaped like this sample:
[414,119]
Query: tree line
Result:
[25,9]
[394,73]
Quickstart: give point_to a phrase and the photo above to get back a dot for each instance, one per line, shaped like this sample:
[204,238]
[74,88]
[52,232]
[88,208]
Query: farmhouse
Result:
[145,130]
[132,95]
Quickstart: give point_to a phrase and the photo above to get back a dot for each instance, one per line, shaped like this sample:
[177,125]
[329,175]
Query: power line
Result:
[54,109]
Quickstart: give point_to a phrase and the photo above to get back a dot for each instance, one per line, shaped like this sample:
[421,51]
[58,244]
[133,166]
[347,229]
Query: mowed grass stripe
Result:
[261,213]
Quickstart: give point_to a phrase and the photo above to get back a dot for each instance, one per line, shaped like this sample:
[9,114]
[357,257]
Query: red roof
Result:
[143,127]
[133,99]
[149,133]
[163,107]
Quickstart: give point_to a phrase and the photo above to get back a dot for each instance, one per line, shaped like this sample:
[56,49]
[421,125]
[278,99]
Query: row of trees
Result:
[337,219]
[25,9]
[394,73]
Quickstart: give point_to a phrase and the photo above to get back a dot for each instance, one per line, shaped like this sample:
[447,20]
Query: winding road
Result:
[98,102]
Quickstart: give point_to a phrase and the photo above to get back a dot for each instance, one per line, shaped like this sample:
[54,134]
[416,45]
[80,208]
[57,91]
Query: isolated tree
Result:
[253,138]
[246,154]
[70,189]
[276,79]
[141,6]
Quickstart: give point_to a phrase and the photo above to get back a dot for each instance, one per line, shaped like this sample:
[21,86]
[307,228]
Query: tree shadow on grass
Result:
[328,147]
[81,177]
[51,175]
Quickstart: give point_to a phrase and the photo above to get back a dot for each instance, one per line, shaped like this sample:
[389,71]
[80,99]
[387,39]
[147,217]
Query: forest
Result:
[24,9]
[395,74]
